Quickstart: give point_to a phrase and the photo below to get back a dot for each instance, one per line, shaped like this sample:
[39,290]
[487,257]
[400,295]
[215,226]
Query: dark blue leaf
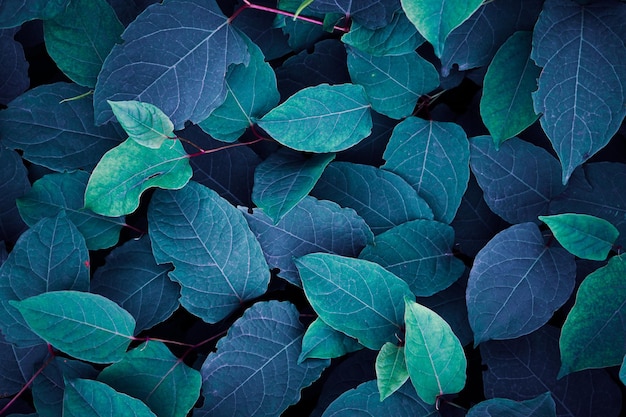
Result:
[372,14]
[18,365]
[13,184]
[258,25]
[15,12]
[370,150]
[14,69]
[541,406]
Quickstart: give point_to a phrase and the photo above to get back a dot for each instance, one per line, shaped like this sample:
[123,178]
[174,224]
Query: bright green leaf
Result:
[323,342]
[145,123]
[391,370]
[541,406]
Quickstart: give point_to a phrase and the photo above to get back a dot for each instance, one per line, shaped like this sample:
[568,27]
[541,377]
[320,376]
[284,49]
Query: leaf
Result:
[14,71]
[517,283]
[356,297]
[419,252]
[392,83]
[369,13]
[130,277]
[86,398]
[321,341]
[519,180]
[426,152]
[259,26]
[391,371]
[18,365]
[15,12]
[581,50]
[436,19]
[506,106]
[218,262]
[284,179]
[305,230]
[145,124]
[56,193]
[126,171]
[320,119]
[51,256]
[381,198]
[593,334]
[57,135]
[187,83]
[79,38]
[86,326]
[542,406]
[255,369]
[13,184]
[153,375]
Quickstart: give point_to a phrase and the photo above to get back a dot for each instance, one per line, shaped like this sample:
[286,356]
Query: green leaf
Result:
[435,19]
[323,342]
[434,355]
[145,124]
[392,83]
[419,252]
[506,106]
[13,185]
[87,398]
[218,261]
[15,12]
[284,179]
[152,374]
[126,171]
[86,326]
[81,37]
[321,119]
[356,297]
[594,335]
[585,236]
[423,152]
[542,406]
[391,370]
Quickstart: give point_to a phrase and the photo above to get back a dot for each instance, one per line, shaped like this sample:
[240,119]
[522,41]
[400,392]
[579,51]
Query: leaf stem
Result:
[233,145]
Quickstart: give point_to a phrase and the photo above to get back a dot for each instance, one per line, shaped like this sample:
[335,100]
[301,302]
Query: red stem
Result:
[234,145]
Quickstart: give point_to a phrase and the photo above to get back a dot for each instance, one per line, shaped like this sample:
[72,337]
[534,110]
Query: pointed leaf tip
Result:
[145,123]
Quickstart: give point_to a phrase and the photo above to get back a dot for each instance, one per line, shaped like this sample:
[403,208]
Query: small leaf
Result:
[126,171]
[86,326]
[434,355]
[391,371]
[321,119]
[321,341]
[145,124]
[585,236]
[13,185]
[356,297]
[542,406]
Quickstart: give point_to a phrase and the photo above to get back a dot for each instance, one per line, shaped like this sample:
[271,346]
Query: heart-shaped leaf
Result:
[145,124]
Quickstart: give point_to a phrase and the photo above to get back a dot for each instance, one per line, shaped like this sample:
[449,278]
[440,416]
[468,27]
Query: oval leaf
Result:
[323,342]
[145,124]
[391,371]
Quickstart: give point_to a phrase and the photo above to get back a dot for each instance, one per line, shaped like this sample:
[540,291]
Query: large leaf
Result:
[356,297]
[425,153]
[517,283]
[58,135]
[186,83]
[305,230]
[15,12]
[391,370]
[255,371]
[321,119]
[86,326]
[542,406]
[145,123]
[153,375]
[14,71]
[13,184]
[126,171]
[369,13]
[76,44]
[218,261]
[18,365]
[259,26]
[581,50]
[323,342]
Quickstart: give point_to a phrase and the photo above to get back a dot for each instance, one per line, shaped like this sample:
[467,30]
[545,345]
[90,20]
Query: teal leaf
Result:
[517,283]
[381,198]
[321,341]
[305,230]
[593,335]
[15,12]
[14,72]
[582,84]
[542,406]
[391,370]
[284,179]
[218,261]
[424,153]
[419,252]
[81,37]
[126,171]
[87,398]
[51,256]
[18,365]
[436,19]
[57,135]
[255,370]
[622,371]
[187,82]
[13,185]
[130,277]
[518,181]
[356,297]
[434,355]
[506,106]
[54,193]
[300,35]
[152,374]
[321,119]
[86,326]
[392,83]
[145,124]
[369,13]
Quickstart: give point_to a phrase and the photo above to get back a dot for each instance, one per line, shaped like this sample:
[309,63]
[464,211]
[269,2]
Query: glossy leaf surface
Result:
[542,406]
[145,124]
[391,371]
[323,342]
